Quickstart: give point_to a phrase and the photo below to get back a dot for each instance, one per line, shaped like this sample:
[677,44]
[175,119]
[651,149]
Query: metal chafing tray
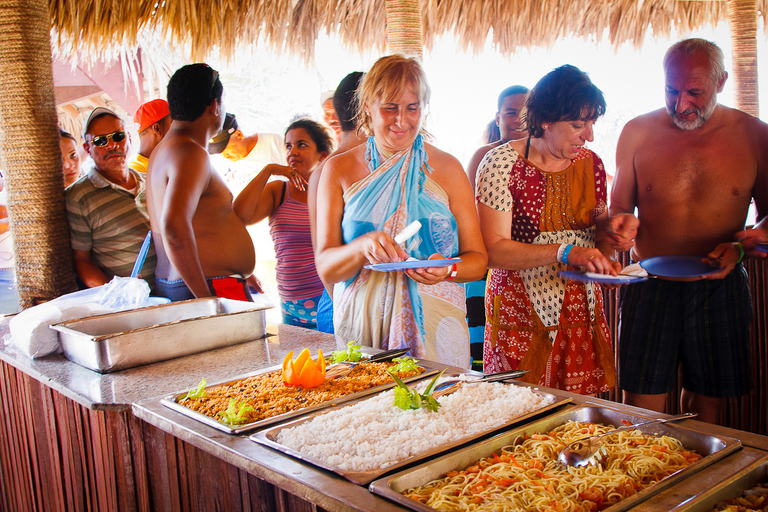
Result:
[268,438]
[712,448]
[732,487]
[115,341]
[172,401]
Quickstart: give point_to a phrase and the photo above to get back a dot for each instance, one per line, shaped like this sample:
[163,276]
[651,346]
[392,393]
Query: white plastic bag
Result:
[30,329]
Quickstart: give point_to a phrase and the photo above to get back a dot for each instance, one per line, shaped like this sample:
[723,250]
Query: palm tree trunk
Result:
[742,19]
[30,154]
[404,28]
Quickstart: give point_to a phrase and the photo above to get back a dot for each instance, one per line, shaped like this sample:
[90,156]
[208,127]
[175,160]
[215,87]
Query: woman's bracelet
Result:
[741,251]
[452,272]
[562,253]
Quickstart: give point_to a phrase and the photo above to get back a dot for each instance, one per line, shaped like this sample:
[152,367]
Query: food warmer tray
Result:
[732,487]
[712,448]
[116,341]
[172,402]
[268,438]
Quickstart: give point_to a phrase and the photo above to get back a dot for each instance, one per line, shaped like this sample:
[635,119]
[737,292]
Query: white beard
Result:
[701,115]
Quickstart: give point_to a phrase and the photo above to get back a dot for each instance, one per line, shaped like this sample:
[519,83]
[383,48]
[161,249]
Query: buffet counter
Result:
[74,439]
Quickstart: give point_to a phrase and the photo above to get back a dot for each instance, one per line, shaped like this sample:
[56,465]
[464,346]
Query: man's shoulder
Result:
[80,187]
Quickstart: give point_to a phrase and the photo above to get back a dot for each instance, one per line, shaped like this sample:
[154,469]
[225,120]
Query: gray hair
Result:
[688,47]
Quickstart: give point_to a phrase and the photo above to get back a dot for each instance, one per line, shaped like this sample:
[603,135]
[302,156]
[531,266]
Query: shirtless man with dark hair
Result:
[203,248]
[691,170]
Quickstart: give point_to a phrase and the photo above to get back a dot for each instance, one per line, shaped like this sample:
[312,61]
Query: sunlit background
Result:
[266,91]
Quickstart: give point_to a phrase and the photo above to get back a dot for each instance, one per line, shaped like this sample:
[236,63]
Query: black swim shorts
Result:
[702,325]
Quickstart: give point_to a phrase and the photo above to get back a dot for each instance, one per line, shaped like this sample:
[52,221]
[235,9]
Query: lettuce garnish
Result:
[235,413]
[411,399]
[351,355]
[404,364]
[198,392]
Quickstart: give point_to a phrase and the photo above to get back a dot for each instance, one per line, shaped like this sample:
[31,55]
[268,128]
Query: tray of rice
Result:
[742,491]
[519,468]
[365,439]
[261,398]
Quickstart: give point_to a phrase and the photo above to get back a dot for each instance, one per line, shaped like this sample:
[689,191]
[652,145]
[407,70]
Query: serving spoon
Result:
[590,450]
[343,368]
[450,385]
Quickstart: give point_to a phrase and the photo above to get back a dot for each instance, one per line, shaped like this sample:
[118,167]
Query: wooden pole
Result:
[30,155]
[742,19]
[405,33]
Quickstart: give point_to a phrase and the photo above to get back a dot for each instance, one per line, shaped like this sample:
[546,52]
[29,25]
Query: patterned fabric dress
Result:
[536,320]
[389,309]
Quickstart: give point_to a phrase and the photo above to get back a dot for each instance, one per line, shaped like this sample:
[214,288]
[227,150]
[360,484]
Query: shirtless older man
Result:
[691,170]
[203,248]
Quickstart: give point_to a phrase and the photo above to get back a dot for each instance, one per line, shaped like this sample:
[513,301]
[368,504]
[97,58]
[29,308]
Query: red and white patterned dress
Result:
[536,320]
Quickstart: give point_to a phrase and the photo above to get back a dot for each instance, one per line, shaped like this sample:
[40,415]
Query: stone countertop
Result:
[118,390]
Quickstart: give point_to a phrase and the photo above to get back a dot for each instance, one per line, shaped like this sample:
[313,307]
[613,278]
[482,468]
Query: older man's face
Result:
[111,157]
[691,91]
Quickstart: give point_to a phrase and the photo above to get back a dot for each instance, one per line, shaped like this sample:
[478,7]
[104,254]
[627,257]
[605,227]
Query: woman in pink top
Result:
[307,144]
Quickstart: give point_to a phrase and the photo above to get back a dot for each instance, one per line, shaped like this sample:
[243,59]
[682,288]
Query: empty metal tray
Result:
[115,341]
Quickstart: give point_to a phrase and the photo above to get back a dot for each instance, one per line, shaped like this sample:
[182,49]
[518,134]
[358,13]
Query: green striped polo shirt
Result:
[104,219]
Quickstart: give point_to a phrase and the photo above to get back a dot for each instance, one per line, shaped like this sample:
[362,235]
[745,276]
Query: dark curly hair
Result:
[564,94]
[191,89]
[317,132]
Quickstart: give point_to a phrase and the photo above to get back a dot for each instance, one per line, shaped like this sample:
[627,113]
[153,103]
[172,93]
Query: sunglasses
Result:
[103,140]
[215,77]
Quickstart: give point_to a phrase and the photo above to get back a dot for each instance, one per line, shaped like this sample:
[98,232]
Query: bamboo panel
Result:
[58,455]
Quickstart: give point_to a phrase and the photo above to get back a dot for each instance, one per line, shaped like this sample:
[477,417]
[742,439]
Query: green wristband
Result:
[741,251]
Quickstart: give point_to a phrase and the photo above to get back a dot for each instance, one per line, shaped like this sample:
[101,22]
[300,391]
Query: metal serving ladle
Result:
[590,450]
[450,385]
[343,368]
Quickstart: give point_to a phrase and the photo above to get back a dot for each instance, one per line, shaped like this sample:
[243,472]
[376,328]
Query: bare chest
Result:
[695,171]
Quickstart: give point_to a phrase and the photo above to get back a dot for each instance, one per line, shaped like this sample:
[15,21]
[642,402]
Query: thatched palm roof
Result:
[294,25]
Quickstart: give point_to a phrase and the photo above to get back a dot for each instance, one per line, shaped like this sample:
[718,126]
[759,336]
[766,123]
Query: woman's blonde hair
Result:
[386,80]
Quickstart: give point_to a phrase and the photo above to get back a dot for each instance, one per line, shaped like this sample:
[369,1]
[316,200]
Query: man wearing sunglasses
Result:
[106,226]
[202,246]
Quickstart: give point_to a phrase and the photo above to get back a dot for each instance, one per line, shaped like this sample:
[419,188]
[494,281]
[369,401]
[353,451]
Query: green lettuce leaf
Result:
[352,354]
[235,413]
[404,364]
[198,392]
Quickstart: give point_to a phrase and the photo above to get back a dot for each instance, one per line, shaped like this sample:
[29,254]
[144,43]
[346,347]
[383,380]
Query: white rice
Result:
[374,434]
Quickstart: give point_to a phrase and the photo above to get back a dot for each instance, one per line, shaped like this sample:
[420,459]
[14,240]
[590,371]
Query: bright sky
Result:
[265,91]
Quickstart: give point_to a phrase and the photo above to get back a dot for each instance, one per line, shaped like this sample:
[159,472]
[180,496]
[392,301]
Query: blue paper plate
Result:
[404,265]
[677,266]
[576,275]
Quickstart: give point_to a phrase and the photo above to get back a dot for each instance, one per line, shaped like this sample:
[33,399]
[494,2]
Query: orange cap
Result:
[149,113]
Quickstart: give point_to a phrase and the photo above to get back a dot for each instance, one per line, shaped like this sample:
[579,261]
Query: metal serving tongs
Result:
[450,385]
[590,450]
[343,368]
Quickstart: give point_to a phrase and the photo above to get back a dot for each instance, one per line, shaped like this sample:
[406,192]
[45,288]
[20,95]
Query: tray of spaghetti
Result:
[262,398]
[518,469]
[744,491]
[368,438]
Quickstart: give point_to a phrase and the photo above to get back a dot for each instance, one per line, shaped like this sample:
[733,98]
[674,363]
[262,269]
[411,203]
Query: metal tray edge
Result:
[729,488]
[366,477]
[381,486]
